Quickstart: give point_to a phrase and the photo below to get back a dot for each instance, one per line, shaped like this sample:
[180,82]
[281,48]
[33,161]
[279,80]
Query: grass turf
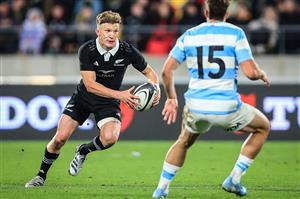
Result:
[131,170]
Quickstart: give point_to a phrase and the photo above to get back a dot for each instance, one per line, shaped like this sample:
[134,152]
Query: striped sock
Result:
[241,165]
[46,163]
[167,175]
[94,145]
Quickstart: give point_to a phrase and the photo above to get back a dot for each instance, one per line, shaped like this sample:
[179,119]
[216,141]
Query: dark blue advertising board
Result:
[32,112]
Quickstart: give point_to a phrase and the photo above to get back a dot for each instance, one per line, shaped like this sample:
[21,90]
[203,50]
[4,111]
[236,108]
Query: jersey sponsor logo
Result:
[106,73]
[118,62]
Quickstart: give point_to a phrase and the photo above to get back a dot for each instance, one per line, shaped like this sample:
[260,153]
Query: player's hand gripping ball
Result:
[146,93]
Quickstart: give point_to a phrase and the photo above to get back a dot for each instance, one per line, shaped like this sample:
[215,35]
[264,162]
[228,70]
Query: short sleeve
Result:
[84,59]
[177,51]
[242,48]
[138,61]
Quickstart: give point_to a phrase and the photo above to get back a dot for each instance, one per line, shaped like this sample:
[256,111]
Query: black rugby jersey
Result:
[108,73]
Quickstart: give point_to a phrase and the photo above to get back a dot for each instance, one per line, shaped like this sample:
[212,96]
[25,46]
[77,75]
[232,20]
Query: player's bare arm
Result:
[171,105]
[152,77]
[89,80]
[253,72]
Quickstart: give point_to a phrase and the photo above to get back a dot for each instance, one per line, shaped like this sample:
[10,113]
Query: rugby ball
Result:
[146,93]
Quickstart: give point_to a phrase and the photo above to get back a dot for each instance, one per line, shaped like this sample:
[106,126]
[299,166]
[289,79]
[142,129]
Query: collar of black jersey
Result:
[111,51]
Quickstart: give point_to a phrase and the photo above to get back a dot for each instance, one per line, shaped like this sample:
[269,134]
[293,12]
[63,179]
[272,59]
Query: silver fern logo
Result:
[118,62]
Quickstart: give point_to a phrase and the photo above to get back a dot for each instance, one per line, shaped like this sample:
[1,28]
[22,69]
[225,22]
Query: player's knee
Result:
[108,139]
[267,127]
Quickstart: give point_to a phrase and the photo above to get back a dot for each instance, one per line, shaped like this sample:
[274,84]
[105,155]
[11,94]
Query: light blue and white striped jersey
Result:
[213,52]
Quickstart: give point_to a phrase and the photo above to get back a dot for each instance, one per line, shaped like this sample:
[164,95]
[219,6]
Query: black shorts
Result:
[80,109]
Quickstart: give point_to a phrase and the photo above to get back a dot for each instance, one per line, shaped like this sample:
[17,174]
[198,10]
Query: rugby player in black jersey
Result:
[103,62]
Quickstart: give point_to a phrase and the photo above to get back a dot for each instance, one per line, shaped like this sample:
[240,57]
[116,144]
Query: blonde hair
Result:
[108,17]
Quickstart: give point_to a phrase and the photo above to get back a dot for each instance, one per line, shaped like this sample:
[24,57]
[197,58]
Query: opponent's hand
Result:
[264,78]
[170,111]
[157,95]
[128,98]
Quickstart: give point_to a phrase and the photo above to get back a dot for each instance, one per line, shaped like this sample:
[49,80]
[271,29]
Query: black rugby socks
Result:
[47,161]
[92,146]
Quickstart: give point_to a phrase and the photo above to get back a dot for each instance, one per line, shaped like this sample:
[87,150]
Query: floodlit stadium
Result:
[40,68]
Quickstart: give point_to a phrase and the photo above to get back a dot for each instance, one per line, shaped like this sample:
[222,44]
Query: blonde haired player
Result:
[103,62]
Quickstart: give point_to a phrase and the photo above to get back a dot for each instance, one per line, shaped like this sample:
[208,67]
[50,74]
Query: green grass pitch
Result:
[131,170]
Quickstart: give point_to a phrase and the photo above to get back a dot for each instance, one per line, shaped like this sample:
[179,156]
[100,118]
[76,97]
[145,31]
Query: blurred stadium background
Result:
[39,66]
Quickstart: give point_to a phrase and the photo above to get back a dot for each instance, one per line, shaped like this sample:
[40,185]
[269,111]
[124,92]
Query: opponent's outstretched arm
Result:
[254,72]
[171,105]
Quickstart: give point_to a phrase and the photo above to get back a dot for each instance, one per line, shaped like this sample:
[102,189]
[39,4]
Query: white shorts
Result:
[201,123]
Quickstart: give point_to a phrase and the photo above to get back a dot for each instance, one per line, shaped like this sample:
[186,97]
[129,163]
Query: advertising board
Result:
[32,112]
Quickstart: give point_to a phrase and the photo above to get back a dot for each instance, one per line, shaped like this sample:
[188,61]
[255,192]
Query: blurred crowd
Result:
[61,26]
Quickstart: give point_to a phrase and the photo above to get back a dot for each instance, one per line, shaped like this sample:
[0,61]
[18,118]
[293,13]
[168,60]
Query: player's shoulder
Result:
[199,29]
[125,47]
[88,46]
[219,29]
[232,27]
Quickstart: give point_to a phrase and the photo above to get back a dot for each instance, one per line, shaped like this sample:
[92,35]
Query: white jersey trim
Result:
[211,105]
[216,84]
[242,44]
[210,40]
